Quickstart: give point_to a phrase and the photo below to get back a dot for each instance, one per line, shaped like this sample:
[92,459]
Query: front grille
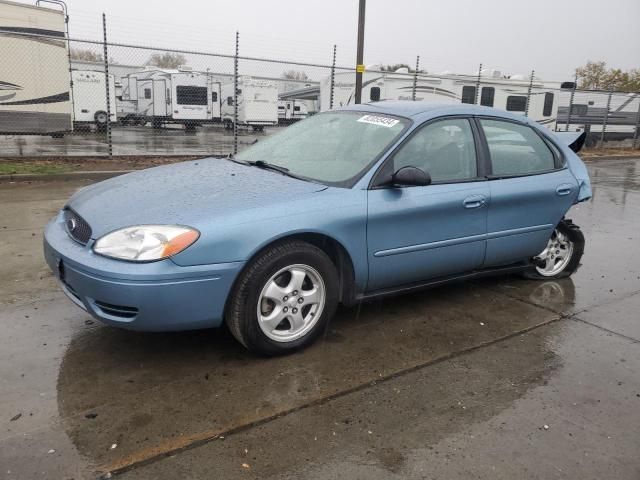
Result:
[76,226]
[117,310]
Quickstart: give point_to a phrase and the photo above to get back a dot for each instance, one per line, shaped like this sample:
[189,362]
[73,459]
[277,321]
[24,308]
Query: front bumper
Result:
[155,296]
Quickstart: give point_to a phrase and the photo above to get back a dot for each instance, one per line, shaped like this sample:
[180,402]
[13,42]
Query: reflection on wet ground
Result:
[448,383]
[129,140]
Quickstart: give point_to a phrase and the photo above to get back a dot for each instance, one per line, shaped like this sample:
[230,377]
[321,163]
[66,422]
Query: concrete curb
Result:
[612,157]
[62,177]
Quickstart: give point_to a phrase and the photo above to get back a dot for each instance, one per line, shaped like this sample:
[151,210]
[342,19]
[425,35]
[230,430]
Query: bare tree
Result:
[86,55]
[396,66]
[596,75]
[167,60]
[295,75]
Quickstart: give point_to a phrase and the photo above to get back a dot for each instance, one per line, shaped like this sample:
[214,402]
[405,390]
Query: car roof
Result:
[408,108]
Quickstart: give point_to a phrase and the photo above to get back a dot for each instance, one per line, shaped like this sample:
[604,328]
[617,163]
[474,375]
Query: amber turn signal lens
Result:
[179,243]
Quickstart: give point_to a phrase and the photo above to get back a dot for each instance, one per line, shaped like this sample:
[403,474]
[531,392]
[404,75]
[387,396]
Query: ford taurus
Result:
[344,206]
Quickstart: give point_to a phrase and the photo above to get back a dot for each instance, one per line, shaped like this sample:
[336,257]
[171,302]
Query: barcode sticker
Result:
[378,120]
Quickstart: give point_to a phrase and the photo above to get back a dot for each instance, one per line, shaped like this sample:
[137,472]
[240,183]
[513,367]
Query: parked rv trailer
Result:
[588,112]
[290,111]
[257,103]
[126,109]
[90,99]
[173,96]
[495,91]
[34,71]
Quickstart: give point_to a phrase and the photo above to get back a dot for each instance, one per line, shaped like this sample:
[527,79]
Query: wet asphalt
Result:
[210,139]
[497,379]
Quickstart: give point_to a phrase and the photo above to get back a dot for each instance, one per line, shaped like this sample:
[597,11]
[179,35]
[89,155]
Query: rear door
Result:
[531,189]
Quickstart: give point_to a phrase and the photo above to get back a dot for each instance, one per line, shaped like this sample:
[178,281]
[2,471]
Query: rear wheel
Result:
[101,120]
[284,299]
[561,257]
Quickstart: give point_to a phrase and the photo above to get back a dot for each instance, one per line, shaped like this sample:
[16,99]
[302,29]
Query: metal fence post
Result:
[606,117]
[415,79]
[235,96]
[333,78]
[106,78]
[637,132]
[573,94]
[475,101]
[526,108]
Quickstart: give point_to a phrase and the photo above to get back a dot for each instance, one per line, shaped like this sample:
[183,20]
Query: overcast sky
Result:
[513,36]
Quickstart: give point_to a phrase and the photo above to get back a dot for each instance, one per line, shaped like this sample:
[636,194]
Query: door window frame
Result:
[559,160]
[380,178]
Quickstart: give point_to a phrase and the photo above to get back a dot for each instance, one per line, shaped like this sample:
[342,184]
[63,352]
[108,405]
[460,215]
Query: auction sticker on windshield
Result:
[378,120]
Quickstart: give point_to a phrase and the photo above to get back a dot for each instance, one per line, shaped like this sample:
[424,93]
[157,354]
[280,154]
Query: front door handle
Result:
[564,189]
[474,201]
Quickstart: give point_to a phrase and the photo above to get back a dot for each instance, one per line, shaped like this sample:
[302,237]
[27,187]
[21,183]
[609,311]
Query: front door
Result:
[420,233]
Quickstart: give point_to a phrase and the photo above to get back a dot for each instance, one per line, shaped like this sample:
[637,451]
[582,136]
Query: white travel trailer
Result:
[173,96]
[126,109]
[34,71]
[290,111]
[589,109]
[495,91]
[257,103]
[89,99]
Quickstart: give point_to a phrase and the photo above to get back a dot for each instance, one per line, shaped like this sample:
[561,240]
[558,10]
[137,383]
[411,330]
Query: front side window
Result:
[334,148]
[230,101]
[191,95]
[487,96]
[516,103]
[516,149]
[444,149]
[469,95]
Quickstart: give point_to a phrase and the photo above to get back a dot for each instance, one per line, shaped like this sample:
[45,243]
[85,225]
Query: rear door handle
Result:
[564,189]
[474,201]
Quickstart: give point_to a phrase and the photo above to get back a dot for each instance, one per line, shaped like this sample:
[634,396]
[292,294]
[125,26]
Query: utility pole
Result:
[360,52]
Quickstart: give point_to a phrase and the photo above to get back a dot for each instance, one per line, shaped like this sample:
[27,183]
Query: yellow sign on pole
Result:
[360,68]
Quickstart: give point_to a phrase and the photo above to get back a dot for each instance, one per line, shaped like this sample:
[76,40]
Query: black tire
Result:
[100,118]
[573,232]
[241,313]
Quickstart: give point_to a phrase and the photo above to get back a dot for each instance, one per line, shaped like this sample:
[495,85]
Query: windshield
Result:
[334,148]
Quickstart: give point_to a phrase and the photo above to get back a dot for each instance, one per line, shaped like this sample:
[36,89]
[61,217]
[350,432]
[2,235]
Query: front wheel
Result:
[284,299]
[561,257]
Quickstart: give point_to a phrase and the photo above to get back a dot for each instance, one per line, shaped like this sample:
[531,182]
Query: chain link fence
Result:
[65,96]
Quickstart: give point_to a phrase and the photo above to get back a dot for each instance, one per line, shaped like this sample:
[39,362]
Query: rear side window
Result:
[214,97]
[147,93]
[548,104]
[469,95]
[374,94]
[516,149]
[487,96]
[516,103]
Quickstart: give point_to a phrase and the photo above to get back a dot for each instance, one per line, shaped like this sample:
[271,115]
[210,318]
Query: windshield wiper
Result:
[269,166]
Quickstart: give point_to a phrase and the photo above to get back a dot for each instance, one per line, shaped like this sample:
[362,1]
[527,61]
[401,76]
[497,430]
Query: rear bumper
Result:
[156,296]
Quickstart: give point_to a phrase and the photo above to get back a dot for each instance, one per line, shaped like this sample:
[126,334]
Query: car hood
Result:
[188,193]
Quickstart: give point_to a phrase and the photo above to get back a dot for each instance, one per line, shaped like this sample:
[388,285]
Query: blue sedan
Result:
[347,205]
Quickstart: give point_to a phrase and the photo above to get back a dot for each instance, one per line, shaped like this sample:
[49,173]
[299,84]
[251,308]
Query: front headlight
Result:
[144,243]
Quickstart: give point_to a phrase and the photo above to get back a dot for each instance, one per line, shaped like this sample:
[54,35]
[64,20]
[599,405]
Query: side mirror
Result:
[410,177]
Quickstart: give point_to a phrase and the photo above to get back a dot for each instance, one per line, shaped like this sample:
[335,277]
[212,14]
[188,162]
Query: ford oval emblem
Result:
[71,224]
